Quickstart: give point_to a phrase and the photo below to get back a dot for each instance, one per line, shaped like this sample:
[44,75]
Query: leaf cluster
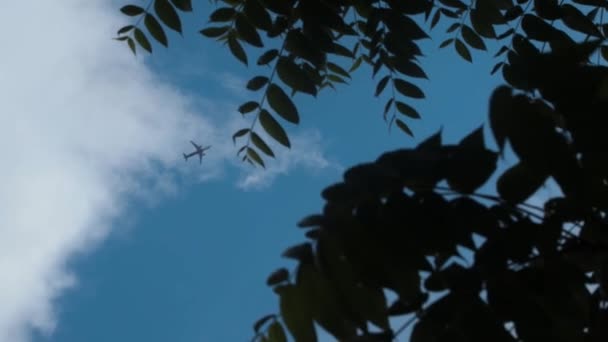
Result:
[468,266]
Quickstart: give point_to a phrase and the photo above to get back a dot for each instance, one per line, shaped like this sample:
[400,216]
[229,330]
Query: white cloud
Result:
[84,127]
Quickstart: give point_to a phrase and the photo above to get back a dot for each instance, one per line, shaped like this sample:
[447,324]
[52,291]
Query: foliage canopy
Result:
[400,224]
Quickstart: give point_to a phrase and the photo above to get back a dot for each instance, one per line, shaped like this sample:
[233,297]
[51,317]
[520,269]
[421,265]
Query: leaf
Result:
[273,128]
[454,3]
[155,29]
[257,83]
[214,32]
[496,68]
[131,44]
[382,84]
[282,104]
[248,107]
[388,106]
[408,89]
[463,51]
[268,57]
[261,144]
[140,37]
[253,155]
[446,43]
[500,104]
[183,5]
[293,76]
[435,19]
[257,15]
[409,68]
[407,110]
[337,69]
[356,64]
[518,183]
[260,322]
[167,14]
[239,133]
[403,126]
[297,319]
[247,32]
[222,14]
[276,333]
[125,29]
[132,10]
[236,49]
[471,38]
[279,276]
[311,221]
[576,20]
[301,252]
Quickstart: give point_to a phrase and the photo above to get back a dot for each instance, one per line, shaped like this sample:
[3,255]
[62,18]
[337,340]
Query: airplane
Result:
[199,150]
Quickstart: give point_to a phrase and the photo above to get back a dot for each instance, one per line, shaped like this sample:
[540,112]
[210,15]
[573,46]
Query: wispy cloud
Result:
[84,128]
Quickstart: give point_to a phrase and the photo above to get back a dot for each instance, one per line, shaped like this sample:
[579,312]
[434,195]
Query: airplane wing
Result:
[195,145]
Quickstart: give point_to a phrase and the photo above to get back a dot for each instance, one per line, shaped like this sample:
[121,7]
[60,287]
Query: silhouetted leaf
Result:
[273,128]
[576,20]
[247,32]
[236,49]
[257,83]
[155,29]
[248,107]
[296,78]
[132,10]
[472,38]
[462,50]
[167,14]
[519,182]
[276,333]
[407,110]
[446,43]
[140,37]
[279,276]
[382,84]
[125,29]
[183,5]
[311,221]
[260,322]
[253,155]
[222,14]
[131,44]
[261,144]
[282,104]
[258,15]
[268,57]
[404,127]
[214,32]
[239,133]
[295,314]
[500,104]
[408,89]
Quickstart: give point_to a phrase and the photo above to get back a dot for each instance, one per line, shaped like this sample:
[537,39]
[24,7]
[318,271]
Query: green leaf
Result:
[293,76]
[239,133]
[408,89]
[222,14]
[183,5]
[261,144]
[155,29]
[247,32]
[253,155]
[273,128]
[214,32]
[407,110]
[382,84]
[132,10]
[403,126]
[471,38]
[167,14]
[276,333]
[140,37]
[248,107]
[463,51]
[125,29]
[257,83]
[519,182]
[268,57]
[236,49]
[282,104]
[279,276]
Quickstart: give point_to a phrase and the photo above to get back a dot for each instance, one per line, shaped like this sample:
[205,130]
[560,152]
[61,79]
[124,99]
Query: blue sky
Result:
[107,235]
